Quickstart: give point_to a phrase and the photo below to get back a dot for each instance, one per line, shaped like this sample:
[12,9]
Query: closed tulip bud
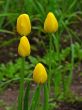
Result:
[23,25]
[51,23]
[40,74]
[24,47]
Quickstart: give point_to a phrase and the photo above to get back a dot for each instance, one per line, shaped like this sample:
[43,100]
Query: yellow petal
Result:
[23,25]
[40,74]
[51,23]
[24,47]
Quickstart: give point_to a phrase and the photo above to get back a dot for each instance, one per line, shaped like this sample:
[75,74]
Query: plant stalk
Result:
[46,97]
[21,90]
[50,57]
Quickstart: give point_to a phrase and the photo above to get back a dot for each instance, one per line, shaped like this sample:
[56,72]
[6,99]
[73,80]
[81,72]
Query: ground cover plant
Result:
[41,54]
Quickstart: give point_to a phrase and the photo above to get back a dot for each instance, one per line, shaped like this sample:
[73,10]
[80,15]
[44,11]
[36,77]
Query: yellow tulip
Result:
[51,23]
[23,25]
[40,74]
[24,47]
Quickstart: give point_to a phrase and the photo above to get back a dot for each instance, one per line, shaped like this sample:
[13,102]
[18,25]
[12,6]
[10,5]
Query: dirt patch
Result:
[9,97]
[8,47]
[70,106]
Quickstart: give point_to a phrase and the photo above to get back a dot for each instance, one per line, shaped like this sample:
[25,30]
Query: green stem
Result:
[56,40]
[26,97]
[21,91]
[46,97]
[50,57]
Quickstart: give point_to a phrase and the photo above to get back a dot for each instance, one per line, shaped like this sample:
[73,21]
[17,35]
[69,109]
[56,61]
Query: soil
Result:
[8,51]
[70,106]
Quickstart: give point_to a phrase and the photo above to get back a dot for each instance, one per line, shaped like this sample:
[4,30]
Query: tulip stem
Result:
[50,57]
[26,97]
[21,91]
[46,97]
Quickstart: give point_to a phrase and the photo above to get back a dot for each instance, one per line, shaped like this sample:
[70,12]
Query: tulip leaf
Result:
[35,98]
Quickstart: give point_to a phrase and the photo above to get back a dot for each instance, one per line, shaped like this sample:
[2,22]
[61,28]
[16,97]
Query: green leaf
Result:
[35,98]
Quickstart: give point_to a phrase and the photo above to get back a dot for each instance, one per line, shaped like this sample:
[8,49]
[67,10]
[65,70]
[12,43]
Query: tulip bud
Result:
[24,47]
[23,25]
[51,23]
[40,74]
